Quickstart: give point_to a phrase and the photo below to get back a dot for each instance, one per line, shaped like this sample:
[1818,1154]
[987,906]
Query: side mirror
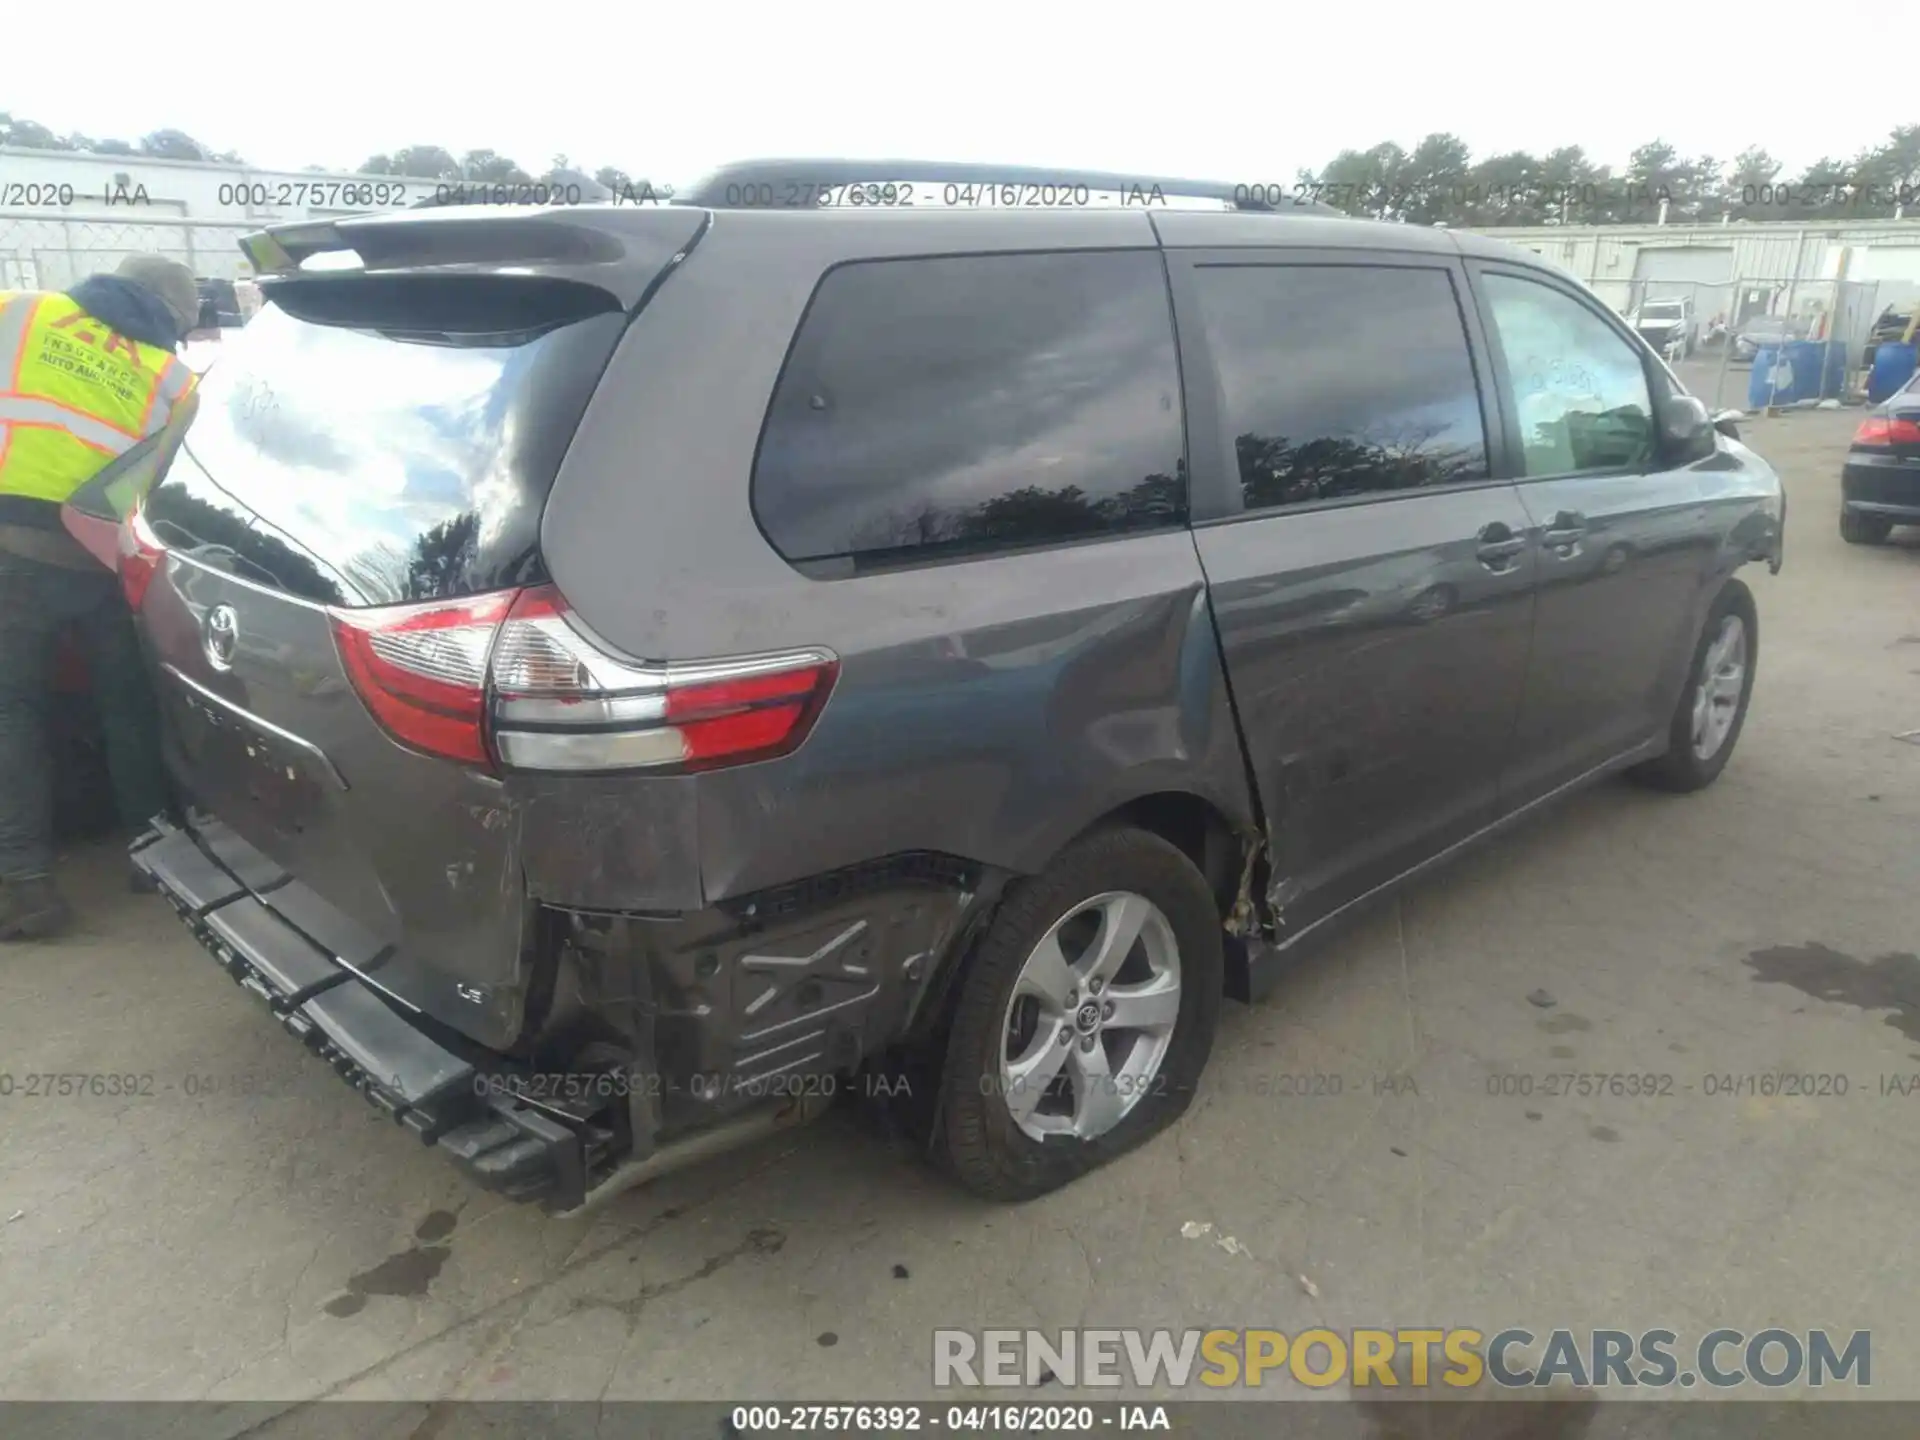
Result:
[1686,431]
[1727,422]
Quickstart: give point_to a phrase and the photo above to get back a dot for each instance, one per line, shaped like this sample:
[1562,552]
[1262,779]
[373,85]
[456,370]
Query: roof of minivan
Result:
[1183,225]
[594,242]
[1187,225]
[1338,232]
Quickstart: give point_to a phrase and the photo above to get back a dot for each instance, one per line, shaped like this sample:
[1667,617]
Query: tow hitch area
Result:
[440,1096]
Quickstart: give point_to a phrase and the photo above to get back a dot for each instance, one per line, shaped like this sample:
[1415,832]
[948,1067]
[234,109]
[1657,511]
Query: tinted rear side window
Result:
[388,443]
[971,405]
[1341,381]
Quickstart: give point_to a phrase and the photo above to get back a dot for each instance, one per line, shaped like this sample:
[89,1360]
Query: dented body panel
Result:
[994,737]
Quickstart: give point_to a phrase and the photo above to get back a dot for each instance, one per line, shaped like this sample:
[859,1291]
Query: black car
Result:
[1880,482]
[639,669]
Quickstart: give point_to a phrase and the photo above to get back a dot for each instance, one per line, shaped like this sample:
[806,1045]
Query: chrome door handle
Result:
[1498,546]
[1565,533]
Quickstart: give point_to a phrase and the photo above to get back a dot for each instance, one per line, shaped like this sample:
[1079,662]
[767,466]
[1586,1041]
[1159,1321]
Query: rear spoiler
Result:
[622,250]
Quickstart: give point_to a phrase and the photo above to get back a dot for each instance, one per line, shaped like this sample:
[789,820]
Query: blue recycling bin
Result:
[1783,375]
[1807,359]
[1893,366]
[1772,380]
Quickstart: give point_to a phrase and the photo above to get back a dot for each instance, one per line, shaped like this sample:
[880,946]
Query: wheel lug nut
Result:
[1094,985]
[1066,1035]
[1106,1011]
[1087,1044]
[1073,997]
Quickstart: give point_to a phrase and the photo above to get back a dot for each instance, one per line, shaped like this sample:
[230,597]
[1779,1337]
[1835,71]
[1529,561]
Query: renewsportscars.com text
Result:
[1458,1358]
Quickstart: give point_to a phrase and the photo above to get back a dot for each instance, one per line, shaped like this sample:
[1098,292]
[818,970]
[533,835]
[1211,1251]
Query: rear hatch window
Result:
[374,440]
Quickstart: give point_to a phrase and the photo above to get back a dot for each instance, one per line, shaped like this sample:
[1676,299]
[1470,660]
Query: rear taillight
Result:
[422,670]
[1887,430]
[141,554]
[446,678]
[560,703]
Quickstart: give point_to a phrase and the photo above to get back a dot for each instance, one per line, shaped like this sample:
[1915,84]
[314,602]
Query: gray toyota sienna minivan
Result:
[633,671]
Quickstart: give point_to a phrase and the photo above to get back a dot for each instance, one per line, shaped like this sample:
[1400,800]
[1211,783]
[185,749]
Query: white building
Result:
[66,214]
[1736,270]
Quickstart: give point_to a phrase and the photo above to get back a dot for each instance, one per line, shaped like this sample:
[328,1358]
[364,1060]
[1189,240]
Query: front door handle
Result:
[1498,547]
[1565,533]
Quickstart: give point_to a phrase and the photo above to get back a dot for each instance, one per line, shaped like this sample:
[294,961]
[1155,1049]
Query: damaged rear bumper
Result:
[738,1018]
[425,1085]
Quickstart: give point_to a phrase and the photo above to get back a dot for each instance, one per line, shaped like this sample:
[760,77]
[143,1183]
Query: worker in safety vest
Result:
[84,377]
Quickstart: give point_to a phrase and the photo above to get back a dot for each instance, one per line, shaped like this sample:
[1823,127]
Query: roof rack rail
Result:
[796,184]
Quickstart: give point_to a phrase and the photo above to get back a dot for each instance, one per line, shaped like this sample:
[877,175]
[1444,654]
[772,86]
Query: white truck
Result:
[1669,325]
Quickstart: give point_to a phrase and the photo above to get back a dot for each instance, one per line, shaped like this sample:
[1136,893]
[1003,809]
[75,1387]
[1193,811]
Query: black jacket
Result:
[128,309]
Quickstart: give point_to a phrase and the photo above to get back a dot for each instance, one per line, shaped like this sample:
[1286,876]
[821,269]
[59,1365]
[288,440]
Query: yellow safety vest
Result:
[74,395]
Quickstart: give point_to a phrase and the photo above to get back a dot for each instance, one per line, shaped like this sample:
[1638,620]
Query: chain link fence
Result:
[1713,332]
[42,250]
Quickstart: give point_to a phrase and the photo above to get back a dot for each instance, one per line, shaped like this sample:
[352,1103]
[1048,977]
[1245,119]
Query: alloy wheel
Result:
[1722,679]
[1091,1018]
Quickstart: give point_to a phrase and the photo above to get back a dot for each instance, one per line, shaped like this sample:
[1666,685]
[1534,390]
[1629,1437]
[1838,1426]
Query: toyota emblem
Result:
[222,636]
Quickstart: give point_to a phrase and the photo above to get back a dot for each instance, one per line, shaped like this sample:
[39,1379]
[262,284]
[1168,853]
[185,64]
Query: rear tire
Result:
[1003,1017]
[1859,529]
[1685,768]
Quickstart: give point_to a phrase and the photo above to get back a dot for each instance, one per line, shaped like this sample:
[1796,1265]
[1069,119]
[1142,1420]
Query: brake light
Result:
[560,703]
[141,554]
[438,677]
[1887,430]
[422,670]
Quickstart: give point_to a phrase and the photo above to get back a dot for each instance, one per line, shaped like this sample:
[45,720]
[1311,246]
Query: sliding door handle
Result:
[1498,547]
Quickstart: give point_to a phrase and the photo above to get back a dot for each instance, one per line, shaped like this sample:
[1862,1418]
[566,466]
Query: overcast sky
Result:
[1239,90]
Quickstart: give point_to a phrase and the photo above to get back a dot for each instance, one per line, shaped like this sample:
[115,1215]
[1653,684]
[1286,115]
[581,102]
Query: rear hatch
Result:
[323,562]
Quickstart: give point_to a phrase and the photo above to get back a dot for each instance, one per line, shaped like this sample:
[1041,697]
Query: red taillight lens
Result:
[744,718]
[422,670]
[561,703]
[141,555]
[1887,430]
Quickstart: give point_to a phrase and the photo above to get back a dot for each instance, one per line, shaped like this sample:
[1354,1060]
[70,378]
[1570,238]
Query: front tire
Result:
[1085,1016]
[1712,709]
[1433,603]
[1859,529]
